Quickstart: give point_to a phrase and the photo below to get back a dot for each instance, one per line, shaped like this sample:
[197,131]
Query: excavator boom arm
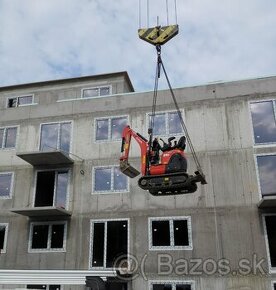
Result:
[125,167]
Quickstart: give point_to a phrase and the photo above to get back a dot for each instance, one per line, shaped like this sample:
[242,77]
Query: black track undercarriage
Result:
[170,184]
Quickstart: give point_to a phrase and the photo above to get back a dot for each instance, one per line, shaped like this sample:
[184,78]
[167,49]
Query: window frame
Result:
[172,282]
[58,138]
[4,250]
[17,98]
[55,185]
[11,184]
[4,137]
[273,284]
[167,134]
[109,139]
[256,155]
[105,221]
[48,249]
[96,87]
[112,167]
[171,247]
[266,144]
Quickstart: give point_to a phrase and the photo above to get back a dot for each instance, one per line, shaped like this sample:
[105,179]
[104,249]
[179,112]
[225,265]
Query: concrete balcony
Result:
[42,211]
[45,158]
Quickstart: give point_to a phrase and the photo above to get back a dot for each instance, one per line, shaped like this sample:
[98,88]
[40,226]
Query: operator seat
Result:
[181,143]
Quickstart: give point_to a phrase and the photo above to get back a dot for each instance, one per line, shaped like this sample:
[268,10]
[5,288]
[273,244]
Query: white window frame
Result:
[273,283]
[272,270]
[167,134]
[55,186]
[173,283]
[58,138]
[112,167]
[4,250]
[266,144]
[109,128]
[11,185]
[258,173]
[95,88]
[5,135]
[171,247]
[48,250]
[18,97]
[92,222]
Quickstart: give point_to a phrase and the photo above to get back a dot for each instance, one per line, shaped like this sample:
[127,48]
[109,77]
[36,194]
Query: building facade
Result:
[67,213]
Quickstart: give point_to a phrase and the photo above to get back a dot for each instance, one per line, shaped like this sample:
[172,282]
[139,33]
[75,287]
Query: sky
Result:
[218,40]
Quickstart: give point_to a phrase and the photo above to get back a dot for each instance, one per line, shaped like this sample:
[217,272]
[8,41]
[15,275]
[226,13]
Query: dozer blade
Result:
[128,170]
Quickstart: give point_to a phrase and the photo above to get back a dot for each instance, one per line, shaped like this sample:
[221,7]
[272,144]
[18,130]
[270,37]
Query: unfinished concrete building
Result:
[67,212]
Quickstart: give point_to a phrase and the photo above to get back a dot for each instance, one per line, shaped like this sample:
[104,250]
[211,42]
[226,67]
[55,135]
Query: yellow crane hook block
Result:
[158,35]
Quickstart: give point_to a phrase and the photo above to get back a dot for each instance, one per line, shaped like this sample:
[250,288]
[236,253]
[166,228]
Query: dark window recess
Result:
[160,233]
[54,287]
[162,287]
[98,245]
[180,229]
[12,102]
[40,236]
[271,235]
[183,287]
[274,286]
[57,236]
[115,286]
[51,287]
[2,236]
[116,241]
[45,188]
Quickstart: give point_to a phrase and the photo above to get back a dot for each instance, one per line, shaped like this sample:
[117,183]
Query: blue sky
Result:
[219,40]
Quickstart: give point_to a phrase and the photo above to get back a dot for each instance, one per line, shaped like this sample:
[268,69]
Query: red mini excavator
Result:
[167,177]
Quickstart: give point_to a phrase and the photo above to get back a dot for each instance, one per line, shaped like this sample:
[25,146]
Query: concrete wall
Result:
[226,223]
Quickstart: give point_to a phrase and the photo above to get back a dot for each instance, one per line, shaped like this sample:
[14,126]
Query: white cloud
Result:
[218,40]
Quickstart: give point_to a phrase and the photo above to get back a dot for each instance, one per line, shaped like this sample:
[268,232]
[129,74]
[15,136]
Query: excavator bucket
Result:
[128,170]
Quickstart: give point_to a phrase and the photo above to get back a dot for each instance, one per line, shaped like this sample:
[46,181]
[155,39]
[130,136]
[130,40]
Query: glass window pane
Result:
[117,126]
[57,236]
[5,184]
[102,129]
[180,229]
[183,287]
[98,245]
[54,287]
[116,241]
[1,137]
[61,189]
[263,119]
[162,287]
[102,179]
[159,124]
[10,137]
[271,236]
[104,91]
[2,236]
[120,180]
[174,123]
[90,93]
[40,237]
[36,286]
[267,173]
[161,233]
[65,136]
[25,100]
[49,137]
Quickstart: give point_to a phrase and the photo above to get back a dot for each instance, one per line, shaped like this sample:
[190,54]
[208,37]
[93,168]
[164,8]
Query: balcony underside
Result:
[42,158]
[41,211]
